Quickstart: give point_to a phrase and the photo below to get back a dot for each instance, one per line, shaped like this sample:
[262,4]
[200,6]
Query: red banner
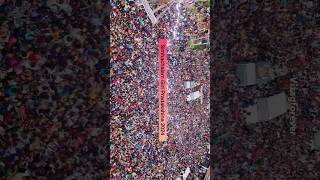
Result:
[163,102]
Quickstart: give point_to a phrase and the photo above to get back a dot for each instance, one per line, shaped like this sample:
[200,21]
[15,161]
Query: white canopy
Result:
[247,74]
[316,141]
[186,173]
[267,108]
[193,96]
[189,84]
[253,73]
[277,105]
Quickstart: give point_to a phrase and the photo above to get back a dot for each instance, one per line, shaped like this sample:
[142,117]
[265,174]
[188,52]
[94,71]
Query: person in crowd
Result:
[52,108]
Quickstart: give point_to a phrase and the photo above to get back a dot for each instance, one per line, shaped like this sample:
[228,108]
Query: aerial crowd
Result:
[284,34]
[136,152]
[53,89]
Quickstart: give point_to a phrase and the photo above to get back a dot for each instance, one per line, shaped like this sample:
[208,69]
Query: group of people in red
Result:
[136,152]
[283,34]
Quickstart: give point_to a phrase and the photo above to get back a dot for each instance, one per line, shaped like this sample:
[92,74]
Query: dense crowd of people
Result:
[52,90]
[136,152]
[284,34]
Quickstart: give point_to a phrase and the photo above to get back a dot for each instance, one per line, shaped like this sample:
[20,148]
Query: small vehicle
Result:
[199,44]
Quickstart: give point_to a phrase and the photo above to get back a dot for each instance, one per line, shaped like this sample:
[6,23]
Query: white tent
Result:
[247,74]
[316,141]
[267,108]
[277,105]
[253,73]
[193,96]
[186,173]
[189,84]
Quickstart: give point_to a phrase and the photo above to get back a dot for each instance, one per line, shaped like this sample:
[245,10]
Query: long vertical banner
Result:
[163,98]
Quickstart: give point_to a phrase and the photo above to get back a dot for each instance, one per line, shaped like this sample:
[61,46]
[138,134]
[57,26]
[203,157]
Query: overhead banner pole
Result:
[163,98]
[149,12]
